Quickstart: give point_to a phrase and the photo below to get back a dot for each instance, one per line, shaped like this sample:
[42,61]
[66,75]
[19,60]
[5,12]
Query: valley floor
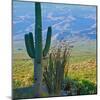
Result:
[82,72]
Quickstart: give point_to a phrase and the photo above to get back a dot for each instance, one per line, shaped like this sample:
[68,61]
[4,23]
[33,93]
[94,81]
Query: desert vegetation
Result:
[52,71]
[79,76]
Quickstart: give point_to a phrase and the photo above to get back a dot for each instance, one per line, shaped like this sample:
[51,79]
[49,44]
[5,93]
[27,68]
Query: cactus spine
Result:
[34,47]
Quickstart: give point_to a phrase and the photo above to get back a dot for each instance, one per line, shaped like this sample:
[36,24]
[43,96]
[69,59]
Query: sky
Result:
[67,21]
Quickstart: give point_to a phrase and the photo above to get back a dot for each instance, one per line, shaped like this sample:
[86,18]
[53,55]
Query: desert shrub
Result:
[16,83]
[87,88]
[54,72]
[76,87]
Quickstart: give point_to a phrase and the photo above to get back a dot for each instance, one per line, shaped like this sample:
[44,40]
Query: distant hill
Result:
[69,22]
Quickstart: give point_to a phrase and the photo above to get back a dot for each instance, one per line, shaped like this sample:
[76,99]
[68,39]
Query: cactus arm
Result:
[31,43]
[34,49]
[38,32]
[48,41]
[30,53]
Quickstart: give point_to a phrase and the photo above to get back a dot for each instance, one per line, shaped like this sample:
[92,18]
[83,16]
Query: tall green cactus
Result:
[35,48]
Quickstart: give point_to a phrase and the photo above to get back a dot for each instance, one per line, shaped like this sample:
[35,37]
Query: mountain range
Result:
[69,22]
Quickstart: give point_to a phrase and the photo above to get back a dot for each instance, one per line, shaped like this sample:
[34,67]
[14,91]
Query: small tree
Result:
[54,73]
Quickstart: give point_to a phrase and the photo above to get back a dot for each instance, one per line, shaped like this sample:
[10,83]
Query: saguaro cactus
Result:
[35,49]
